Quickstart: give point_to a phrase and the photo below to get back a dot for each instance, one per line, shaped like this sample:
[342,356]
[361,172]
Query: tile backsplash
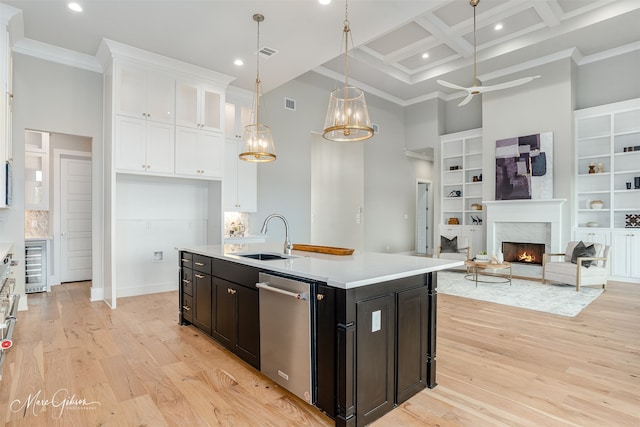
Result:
[36,224]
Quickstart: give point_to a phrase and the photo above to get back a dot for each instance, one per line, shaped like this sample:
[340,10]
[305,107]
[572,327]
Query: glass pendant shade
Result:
[257,145]
[347,116]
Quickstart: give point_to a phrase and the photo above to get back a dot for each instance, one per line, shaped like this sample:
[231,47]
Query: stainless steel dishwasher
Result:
[285,334]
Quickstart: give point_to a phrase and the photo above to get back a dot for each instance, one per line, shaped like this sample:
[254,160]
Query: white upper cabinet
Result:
[199,153]
[199,106]
[145,94]
[237,117]
[240,181]
[144,146]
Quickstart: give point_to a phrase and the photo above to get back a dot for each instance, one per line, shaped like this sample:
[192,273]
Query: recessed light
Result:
[238,62]
[498,27]
[425,55]
[324,1]
[75,7]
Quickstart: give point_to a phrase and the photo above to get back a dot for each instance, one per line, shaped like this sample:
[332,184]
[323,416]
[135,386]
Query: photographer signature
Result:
[60,400]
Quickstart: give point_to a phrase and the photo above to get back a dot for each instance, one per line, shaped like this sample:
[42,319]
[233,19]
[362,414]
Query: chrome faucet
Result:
[287,243]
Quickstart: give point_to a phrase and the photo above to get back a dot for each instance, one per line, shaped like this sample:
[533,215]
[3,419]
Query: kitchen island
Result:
[373,319]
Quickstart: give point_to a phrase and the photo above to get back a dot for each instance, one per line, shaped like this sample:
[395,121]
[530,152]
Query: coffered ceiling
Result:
[390,37]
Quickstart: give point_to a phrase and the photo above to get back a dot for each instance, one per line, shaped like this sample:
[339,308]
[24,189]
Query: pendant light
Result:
[347,116]
[258,142]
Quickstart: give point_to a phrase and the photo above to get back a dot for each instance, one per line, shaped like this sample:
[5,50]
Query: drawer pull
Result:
[186,281]
[184,260]
[199,276]
[231,291]
[199,264]
[186,307]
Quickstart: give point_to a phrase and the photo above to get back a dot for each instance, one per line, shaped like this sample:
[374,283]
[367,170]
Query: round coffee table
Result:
[475,266]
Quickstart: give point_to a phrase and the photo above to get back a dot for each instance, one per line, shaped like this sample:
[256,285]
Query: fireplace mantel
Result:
[525,211]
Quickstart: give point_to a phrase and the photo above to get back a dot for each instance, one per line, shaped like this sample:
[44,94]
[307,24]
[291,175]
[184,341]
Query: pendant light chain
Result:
[475,78]
[258,19]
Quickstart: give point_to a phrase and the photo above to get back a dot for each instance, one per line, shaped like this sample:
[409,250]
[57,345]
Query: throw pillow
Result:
[581,250]
[448,245]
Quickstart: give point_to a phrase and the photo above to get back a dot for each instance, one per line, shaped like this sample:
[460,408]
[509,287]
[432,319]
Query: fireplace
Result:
[526,253]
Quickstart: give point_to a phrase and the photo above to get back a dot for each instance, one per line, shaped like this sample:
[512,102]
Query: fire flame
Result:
[524,257]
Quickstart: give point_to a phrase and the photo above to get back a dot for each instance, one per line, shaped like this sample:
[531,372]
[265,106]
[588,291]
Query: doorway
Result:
[424,218]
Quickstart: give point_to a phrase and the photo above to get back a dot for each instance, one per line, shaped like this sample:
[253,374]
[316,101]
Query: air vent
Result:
[267,51]
[375,127]
[290,104]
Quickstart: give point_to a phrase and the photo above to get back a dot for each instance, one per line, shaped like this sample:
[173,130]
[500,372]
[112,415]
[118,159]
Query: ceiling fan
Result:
[477,87]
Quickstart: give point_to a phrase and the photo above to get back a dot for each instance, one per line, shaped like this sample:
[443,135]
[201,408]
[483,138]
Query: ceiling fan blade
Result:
[451,85]
[466,100]
[506,85]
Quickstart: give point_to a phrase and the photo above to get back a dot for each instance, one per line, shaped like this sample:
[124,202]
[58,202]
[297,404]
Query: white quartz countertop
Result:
[345,272]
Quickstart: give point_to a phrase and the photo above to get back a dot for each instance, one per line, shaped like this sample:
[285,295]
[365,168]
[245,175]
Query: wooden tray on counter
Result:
[322,249]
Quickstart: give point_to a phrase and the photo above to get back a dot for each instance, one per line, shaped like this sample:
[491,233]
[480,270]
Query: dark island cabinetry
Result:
[220,298]
[375,346]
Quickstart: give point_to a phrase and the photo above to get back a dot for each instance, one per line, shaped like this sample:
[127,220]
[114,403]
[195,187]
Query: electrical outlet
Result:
[158,256]
[34,223]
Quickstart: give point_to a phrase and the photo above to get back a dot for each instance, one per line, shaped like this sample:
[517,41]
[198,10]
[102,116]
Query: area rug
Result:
[557,299]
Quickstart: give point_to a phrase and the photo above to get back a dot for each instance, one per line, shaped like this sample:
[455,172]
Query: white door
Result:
[75,219]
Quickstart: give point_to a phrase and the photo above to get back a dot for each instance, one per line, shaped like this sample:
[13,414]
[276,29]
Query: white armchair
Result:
[461,251]
[558,268]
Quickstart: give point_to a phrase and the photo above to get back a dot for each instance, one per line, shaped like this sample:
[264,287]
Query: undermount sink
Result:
[265,256]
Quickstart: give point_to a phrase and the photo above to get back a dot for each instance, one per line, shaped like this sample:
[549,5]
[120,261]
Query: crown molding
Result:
[57,54]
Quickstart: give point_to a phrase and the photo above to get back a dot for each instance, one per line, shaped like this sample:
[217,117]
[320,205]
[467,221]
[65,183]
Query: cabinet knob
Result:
[320,297]
[231,291]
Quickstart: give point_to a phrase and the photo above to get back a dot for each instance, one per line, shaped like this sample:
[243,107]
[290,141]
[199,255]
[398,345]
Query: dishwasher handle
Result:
[266,287]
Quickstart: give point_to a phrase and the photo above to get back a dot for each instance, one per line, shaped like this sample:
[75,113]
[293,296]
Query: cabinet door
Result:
[187,104]
[412,306]
[130,144]
[237,117]
[131,91]
[159,147]
[210,109]
[248,328]
[593,236]
[375,358]
[240,181]
[210,154]
[160,105]
[186,151]
[36,181]
[224,312]
[202,301]
[230,181]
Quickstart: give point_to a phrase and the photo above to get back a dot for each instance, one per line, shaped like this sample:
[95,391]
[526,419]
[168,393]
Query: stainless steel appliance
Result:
[8,307]
[285,334]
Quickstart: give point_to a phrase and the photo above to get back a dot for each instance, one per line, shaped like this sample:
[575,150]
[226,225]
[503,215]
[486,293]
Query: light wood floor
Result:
[497,366]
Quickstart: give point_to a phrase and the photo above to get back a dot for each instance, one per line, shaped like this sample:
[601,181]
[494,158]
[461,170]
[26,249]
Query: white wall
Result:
[55,98]
[284,186]
[545,104]
[156,215]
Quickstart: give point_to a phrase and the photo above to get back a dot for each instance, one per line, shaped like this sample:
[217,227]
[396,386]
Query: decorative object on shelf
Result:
[476,206]
[476,220]
[596,204]
[347,117]
[600,168]
[592,167]
[475,178]
[636,182]
[480,177]
[453,221]
[592,224]
[524,167]
[454,168]
[258,141]
[630,149]
[455,193]
[477,87]
[632,221]
[628,186]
